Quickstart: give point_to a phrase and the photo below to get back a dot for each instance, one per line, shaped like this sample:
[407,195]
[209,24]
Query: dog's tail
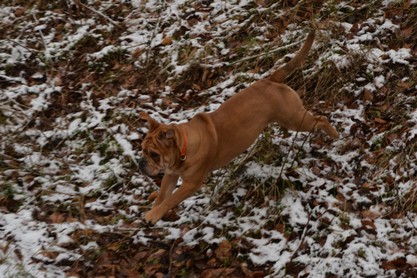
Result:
[280,74]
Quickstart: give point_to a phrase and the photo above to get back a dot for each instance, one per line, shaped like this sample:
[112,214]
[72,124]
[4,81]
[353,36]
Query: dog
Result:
[211,140]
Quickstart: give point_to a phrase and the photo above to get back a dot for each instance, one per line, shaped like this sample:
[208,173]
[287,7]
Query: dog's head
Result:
[160,148]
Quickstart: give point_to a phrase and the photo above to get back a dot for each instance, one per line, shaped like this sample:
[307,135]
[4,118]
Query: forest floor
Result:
[74,76]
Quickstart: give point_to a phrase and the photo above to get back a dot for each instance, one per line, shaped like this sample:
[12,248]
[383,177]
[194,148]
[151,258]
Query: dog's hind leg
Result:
[304,121]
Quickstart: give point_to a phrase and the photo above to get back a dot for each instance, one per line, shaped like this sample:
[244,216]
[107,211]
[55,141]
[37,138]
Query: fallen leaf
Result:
[151,269]
[57,217]
[368,95]
[369,226]
[158,254]
[294,268]
[141,255]
[114,246]
[280,227]
[213,262]
[167,41]
[355,28]
[246,270]
[404,84]
[407,32]
[49,254]
[393,136]
[223,251]
[217,273]
[380,121]
[368,214]
[399,263]
[261,3]
[19,11]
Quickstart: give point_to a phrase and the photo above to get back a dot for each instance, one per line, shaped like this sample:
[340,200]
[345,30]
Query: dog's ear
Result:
[152,124]
[165,136]
[170,133]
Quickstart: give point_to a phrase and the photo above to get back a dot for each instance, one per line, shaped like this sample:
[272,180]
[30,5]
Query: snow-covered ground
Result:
[74,77]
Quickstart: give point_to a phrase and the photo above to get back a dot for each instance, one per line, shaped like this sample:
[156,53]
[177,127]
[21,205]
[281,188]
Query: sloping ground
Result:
[74,76]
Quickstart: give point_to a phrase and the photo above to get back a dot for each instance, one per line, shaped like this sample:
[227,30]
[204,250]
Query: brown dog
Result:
[211,140]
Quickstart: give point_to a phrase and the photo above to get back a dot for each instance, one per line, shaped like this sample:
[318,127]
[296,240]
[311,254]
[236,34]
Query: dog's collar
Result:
[184,147]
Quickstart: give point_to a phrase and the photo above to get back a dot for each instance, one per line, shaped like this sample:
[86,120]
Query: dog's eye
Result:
[154,156]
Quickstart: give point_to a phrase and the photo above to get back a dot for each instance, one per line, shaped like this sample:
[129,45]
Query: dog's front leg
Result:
[187,189]
[169,182]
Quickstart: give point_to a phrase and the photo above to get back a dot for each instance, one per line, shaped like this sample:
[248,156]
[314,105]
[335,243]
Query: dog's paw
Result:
[151,217]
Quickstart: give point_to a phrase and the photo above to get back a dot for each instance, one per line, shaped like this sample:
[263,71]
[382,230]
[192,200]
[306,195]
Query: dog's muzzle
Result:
[142,163]
[145,168]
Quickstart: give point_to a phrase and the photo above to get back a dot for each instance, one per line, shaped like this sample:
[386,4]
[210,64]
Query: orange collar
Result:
[184,147]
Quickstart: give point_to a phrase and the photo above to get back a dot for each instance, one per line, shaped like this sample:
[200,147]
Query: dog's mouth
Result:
[148,169]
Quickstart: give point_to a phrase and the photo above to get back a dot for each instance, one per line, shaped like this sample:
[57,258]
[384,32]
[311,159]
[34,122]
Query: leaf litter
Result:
[75,75]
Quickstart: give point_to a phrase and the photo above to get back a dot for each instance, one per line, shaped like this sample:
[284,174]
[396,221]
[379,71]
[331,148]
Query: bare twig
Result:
[292,144]
[24,46]
[40,33]
[102,15]
[262,54]
[302,238]
[170,255]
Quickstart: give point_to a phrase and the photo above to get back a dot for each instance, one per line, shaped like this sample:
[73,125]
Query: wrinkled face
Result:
[159,149]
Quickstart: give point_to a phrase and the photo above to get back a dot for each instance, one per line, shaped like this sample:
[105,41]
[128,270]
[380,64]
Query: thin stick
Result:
[302,238]
[217,65]
[292,144]
[305,140]
[24,46]
[102,15]
[170,256]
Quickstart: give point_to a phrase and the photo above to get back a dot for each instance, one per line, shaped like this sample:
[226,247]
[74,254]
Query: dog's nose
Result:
[142,164]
